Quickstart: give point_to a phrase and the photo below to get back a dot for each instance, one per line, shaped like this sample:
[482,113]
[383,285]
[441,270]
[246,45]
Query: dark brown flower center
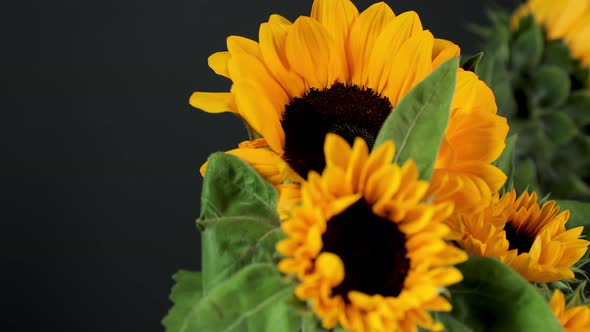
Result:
[518,240]
[347,110]
[372,249]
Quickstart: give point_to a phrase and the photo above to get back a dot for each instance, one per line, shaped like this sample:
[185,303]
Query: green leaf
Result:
[311,324]
[492,297]
[471,63]
[550,86]
[527,47]
[557,54]
[570,186]
[560,127]
[574,158]
[238,220]
[577,107]
[581,75]
[579,214]
[231,243]
[525,177]
[451,323]
[506,160]
[418,123]
[254,299]
[186,293]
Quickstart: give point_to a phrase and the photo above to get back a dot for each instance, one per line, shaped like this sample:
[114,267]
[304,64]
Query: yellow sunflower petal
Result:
[212,102]
[237,45]
[363,35]
[218,62]
[272,37]
[260,113]
[337,16]
[337,151]
[391,39]
[245,67]
[312,53]
[443,50]
[415,53]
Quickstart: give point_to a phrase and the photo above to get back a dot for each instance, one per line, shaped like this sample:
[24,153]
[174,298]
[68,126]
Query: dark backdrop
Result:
[100,149]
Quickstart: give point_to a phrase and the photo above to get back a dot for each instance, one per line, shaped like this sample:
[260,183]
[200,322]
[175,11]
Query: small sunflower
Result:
[340,71]
[530,238]
[368,252]
[575,319]
[568,20]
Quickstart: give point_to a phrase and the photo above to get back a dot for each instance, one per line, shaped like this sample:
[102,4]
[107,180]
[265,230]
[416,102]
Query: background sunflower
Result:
[572,318]
[527,235]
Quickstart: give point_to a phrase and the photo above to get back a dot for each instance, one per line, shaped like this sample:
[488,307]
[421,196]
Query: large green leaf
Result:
[254,299]
[238,220]
[579,214]
[492,297]
[418,123]
[186,293]
[233,188]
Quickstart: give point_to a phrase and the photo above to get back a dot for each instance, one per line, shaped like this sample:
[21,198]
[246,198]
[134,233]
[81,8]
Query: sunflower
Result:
[530,238]
[567,20]
[340,71]
[369,253]
[575,319]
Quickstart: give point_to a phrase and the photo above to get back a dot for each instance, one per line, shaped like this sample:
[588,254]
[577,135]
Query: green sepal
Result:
[506,160]
[549,86]
[525,177]
[492,297]
[579,214]
[418,123]
[578,296]
[239,220]
[471,63]
[186,293]
[527,46]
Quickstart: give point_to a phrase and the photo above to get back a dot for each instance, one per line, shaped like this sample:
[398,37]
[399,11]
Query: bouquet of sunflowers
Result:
[392,184]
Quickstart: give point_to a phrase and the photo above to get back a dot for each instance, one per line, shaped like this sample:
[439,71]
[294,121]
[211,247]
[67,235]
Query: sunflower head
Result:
[573,319]
[529,237]
[566,20]
[368,250]
[342,71]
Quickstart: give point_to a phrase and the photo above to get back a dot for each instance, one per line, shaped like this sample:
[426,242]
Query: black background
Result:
[100,149]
